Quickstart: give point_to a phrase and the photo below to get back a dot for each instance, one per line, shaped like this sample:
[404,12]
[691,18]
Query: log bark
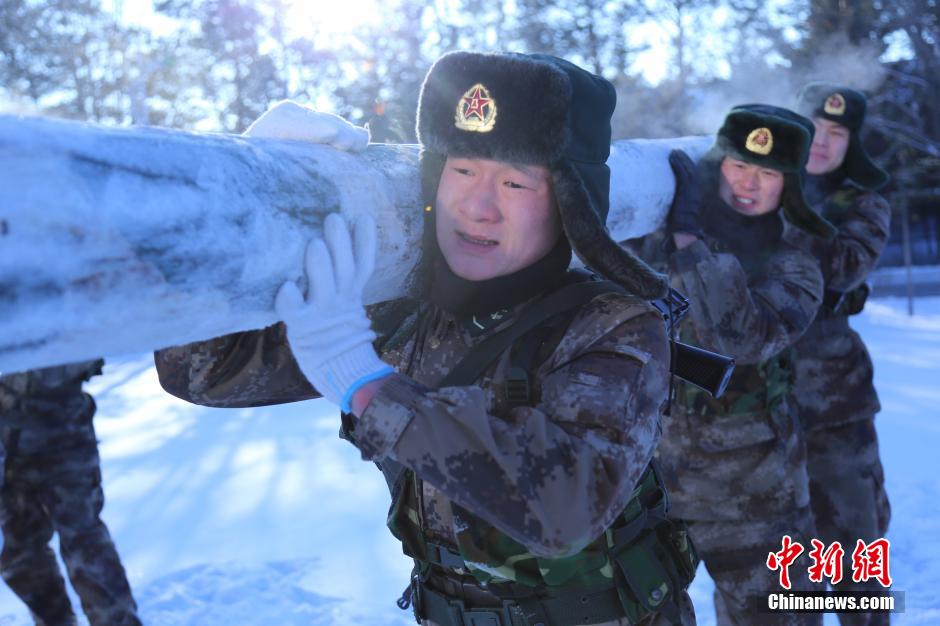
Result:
[117,241]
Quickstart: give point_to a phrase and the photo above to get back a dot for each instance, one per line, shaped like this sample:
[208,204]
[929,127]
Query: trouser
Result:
[60,491]
[741,488]
[848,498]
[735,555]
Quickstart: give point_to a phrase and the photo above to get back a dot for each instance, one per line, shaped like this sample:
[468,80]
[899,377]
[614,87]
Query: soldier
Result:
[735,467]
[52,483]
[833,391]
[514,407]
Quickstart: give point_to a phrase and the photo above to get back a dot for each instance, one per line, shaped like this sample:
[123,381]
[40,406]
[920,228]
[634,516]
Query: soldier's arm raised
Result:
[750,322]
[246,369]
[862,234]
[552,476]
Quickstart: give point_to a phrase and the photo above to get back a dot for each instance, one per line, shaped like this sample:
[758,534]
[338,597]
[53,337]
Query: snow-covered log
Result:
[117,241]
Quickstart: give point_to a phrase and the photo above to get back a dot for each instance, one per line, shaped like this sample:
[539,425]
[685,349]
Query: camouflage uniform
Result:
[524,491]
[833,389]
[735,467]
[52,483]
[600,396]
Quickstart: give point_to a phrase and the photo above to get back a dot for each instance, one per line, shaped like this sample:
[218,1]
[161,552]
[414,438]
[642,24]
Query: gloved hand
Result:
[687,201]
[290,120]
[329,332]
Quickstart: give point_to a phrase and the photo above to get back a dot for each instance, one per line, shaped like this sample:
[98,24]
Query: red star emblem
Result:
[475,103]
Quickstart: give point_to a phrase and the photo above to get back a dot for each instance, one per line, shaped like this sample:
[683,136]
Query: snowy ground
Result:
[262,516]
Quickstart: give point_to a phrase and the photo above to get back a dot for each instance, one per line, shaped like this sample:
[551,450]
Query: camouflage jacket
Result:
[44,412]
[552,476]
[752,307]
[833,369]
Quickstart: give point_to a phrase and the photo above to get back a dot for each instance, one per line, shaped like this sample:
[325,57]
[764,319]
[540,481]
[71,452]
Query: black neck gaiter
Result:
[751,238]
[465,298]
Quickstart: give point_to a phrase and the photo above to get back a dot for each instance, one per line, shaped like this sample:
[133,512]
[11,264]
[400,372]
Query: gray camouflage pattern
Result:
[835,393]
[551,476]
[834,373]
[52,484]
[735,555]
[735,467]
[847,490]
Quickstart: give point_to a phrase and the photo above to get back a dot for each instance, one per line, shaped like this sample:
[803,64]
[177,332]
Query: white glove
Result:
[290,120]
[329,332]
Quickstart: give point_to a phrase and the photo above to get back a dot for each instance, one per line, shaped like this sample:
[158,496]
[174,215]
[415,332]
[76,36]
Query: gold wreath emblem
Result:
[835,104]
[760,141]
[476,110]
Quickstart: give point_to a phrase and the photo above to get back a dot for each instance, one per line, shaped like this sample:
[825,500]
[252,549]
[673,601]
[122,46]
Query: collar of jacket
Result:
[751,238]
[480,299]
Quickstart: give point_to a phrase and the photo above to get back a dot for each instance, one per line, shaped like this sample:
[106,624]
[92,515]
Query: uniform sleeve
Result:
[553,476]
[245,369]
[750,322]
[255,368]
[862,234]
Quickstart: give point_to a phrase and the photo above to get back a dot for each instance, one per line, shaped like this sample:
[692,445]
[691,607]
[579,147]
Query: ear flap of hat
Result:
[590,241]
[801,214]
[860,168]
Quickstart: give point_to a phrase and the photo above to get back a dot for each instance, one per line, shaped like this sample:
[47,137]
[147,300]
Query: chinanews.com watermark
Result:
[870,564]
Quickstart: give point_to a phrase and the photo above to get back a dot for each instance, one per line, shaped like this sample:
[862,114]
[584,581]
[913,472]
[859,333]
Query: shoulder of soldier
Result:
[794,263]
[797,238]
[850,194]
[652,247]
[616,322]
[795,248]
[873,200]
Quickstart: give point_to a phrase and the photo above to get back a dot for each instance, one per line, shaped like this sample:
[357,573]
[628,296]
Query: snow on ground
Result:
[263,516]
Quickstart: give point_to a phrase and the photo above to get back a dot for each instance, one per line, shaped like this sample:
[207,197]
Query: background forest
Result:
[678,65]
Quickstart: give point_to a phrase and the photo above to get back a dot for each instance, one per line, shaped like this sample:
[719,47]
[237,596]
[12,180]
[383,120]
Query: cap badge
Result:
[760,141]
[476,110]
[835,104]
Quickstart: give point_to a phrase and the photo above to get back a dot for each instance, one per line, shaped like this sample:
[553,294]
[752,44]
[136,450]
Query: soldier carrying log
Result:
[513,405]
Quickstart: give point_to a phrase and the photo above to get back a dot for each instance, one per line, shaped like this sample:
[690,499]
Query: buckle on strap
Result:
[518,390]
[445,611]
[444,556]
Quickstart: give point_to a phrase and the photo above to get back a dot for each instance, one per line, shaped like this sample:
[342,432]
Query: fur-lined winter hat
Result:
[847,107]
[778,139]
[538,110]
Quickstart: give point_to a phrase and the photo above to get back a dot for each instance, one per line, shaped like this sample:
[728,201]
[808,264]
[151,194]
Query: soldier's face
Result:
[750,189]
[494,218]
[830,144]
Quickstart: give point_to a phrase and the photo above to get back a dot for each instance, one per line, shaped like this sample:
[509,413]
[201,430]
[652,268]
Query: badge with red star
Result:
[835,104]
[476,110]
[760,141]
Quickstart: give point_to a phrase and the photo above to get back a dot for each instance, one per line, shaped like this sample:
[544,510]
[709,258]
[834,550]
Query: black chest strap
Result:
[569,297]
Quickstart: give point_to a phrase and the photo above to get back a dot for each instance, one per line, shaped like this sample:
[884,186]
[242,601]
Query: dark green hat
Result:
[845,106]
[538,110]
[778,139]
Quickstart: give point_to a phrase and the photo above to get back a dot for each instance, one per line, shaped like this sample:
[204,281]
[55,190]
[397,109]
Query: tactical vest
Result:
[640,565]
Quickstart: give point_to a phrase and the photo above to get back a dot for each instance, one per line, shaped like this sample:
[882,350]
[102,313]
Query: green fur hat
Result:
[778,139]
[538,110]
[847,107]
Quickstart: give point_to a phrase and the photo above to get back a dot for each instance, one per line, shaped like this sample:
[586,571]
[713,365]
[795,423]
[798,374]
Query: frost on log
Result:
[116,241]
